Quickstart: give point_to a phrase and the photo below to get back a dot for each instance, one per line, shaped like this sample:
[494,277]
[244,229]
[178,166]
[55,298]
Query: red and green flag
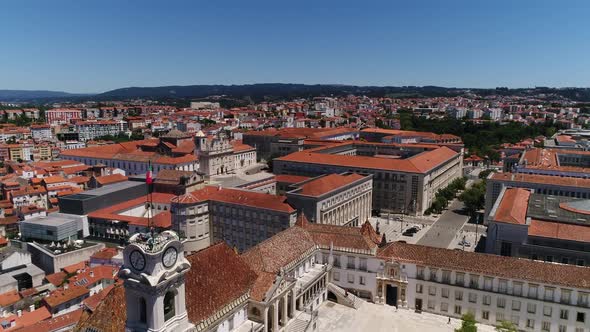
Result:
[148,175]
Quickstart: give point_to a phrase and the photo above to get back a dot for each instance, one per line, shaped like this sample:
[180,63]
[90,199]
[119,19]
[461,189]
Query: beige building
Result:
[335,199]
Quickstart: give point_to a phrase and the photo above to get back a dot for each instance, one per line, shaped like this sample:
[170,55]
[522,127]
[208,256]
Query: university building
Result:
[405,176]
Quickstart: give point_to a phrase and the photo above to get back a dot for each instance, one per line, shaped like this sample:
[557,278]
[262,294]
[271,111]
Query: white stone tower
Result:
[153,271]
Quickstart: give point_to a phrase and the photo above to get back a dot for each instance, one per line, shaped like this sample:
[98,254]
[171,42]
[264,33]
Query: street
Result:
[446,228]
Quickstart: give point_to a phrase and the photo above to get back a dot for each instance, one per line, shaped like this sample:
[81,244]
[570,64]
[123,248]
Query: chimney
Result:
[19,313]
[32,308]
[92,273]
[66,286]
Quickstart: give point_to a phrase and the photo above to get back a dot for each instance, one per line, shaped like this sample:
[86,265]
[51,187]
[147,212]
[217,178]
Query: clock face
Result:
[170,256]
[137,260]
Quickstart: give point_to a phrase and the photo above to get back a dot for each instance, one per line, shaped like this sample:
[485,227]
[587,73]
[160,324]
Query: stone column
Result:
[265,314]
[293,303]
[285,308]
[275,317]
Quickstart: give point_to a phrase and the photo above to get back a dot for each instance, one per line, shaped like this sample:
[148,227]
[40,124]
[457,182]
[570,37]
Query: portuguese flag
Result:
[148,175]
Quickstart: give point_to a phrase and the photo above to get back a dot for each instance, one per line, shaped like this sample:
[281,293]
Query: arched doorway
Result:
[332,297]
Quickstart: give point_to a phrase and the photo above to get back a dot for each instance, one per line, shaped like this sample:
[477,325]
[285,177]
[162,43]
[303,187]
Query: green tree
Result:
[506,326]
[474,198]
[467,323]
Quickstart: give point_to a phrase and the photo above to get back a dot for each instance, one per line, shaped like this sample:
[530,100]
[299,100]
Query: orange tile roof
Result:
[54,179]
[28,318]
[244,197]
[488,264]
[106,253]
[74,268]
[93,301]
[241,147]
[562,231]
[58,323]
[513,206]
[542,179]
[113,178]
[420,163]
[62,295]
[9,298]
[328,183]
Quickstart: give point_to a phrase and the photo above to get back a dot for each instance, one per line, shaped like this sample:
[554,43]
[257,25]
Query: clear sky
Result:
[98,45]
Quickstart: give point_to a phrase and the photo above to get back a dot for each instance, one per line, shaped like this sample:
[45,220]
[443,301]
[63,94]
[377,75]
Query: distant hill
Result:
[285,91]
[258,92]
[30,95]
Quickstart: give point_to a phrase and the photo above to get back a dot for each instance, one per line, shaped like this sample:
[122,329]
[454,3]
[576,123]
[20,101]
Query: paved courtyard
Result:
[374,318]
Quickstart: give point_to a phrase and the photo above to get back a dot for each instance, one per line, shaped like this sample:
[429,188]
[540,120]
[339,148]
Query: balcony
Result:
[315,272]
[402,277]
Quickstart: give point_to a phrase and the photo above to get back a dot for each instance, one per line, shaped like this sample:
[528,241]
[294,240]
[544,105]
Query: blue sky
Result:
[95,46]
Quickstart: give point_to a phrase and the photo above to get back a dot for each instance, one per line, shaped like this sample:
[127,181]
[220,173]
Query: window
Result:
[515,305]
[336,261]
[583,299]
[351,278]
[531,308]
[336,276]
[474,281]
[547,311]
[499,316]
[431,290]
[419,288]
[169,310]
[533,291]
[562,328]
[142,311]
[446,277]
[420,274]
[485,315]
[487,300]
[351,263]
[517,288]
[563,314]
[581,317]
[363,264]
[546,326]
[530,323]
[515,319]
[457,310]
[549,293]
[566,295]
[362,280]
[444,307]
[445,293]
[460,279]
[430,305]
[472,297]
[488,283]
[501,302]
[458,295]
[503,286]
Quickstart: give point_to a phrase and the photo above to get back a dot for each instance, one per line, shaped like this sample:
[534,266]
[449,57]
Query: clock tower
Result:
[153,271]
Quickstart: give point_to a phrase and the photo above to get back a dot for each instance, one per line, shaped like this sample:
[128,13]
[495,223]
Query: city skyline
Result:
[459,44]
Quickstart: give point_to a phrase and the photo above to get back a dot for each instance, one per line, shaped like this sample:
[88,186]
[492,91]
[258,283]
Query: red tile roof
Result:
[562,231]
[244,197]
[113,178]
[325,184]
[58,323]
[9,298]
[62,295]
[513,206]
[488,264]
[284,178]
[56,278]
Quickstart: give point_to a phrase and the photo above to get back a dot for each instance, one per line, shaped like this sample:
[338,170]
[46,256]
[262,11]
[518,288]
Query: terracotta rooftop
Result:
[244,197]
[557,230]
[9,298]
[112,178]
[325,184]
[284,178]
[513,206]
[487,264]
[59,323]
[56,278]
[207,291]
[542,179]
[420,163]
[62,295]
